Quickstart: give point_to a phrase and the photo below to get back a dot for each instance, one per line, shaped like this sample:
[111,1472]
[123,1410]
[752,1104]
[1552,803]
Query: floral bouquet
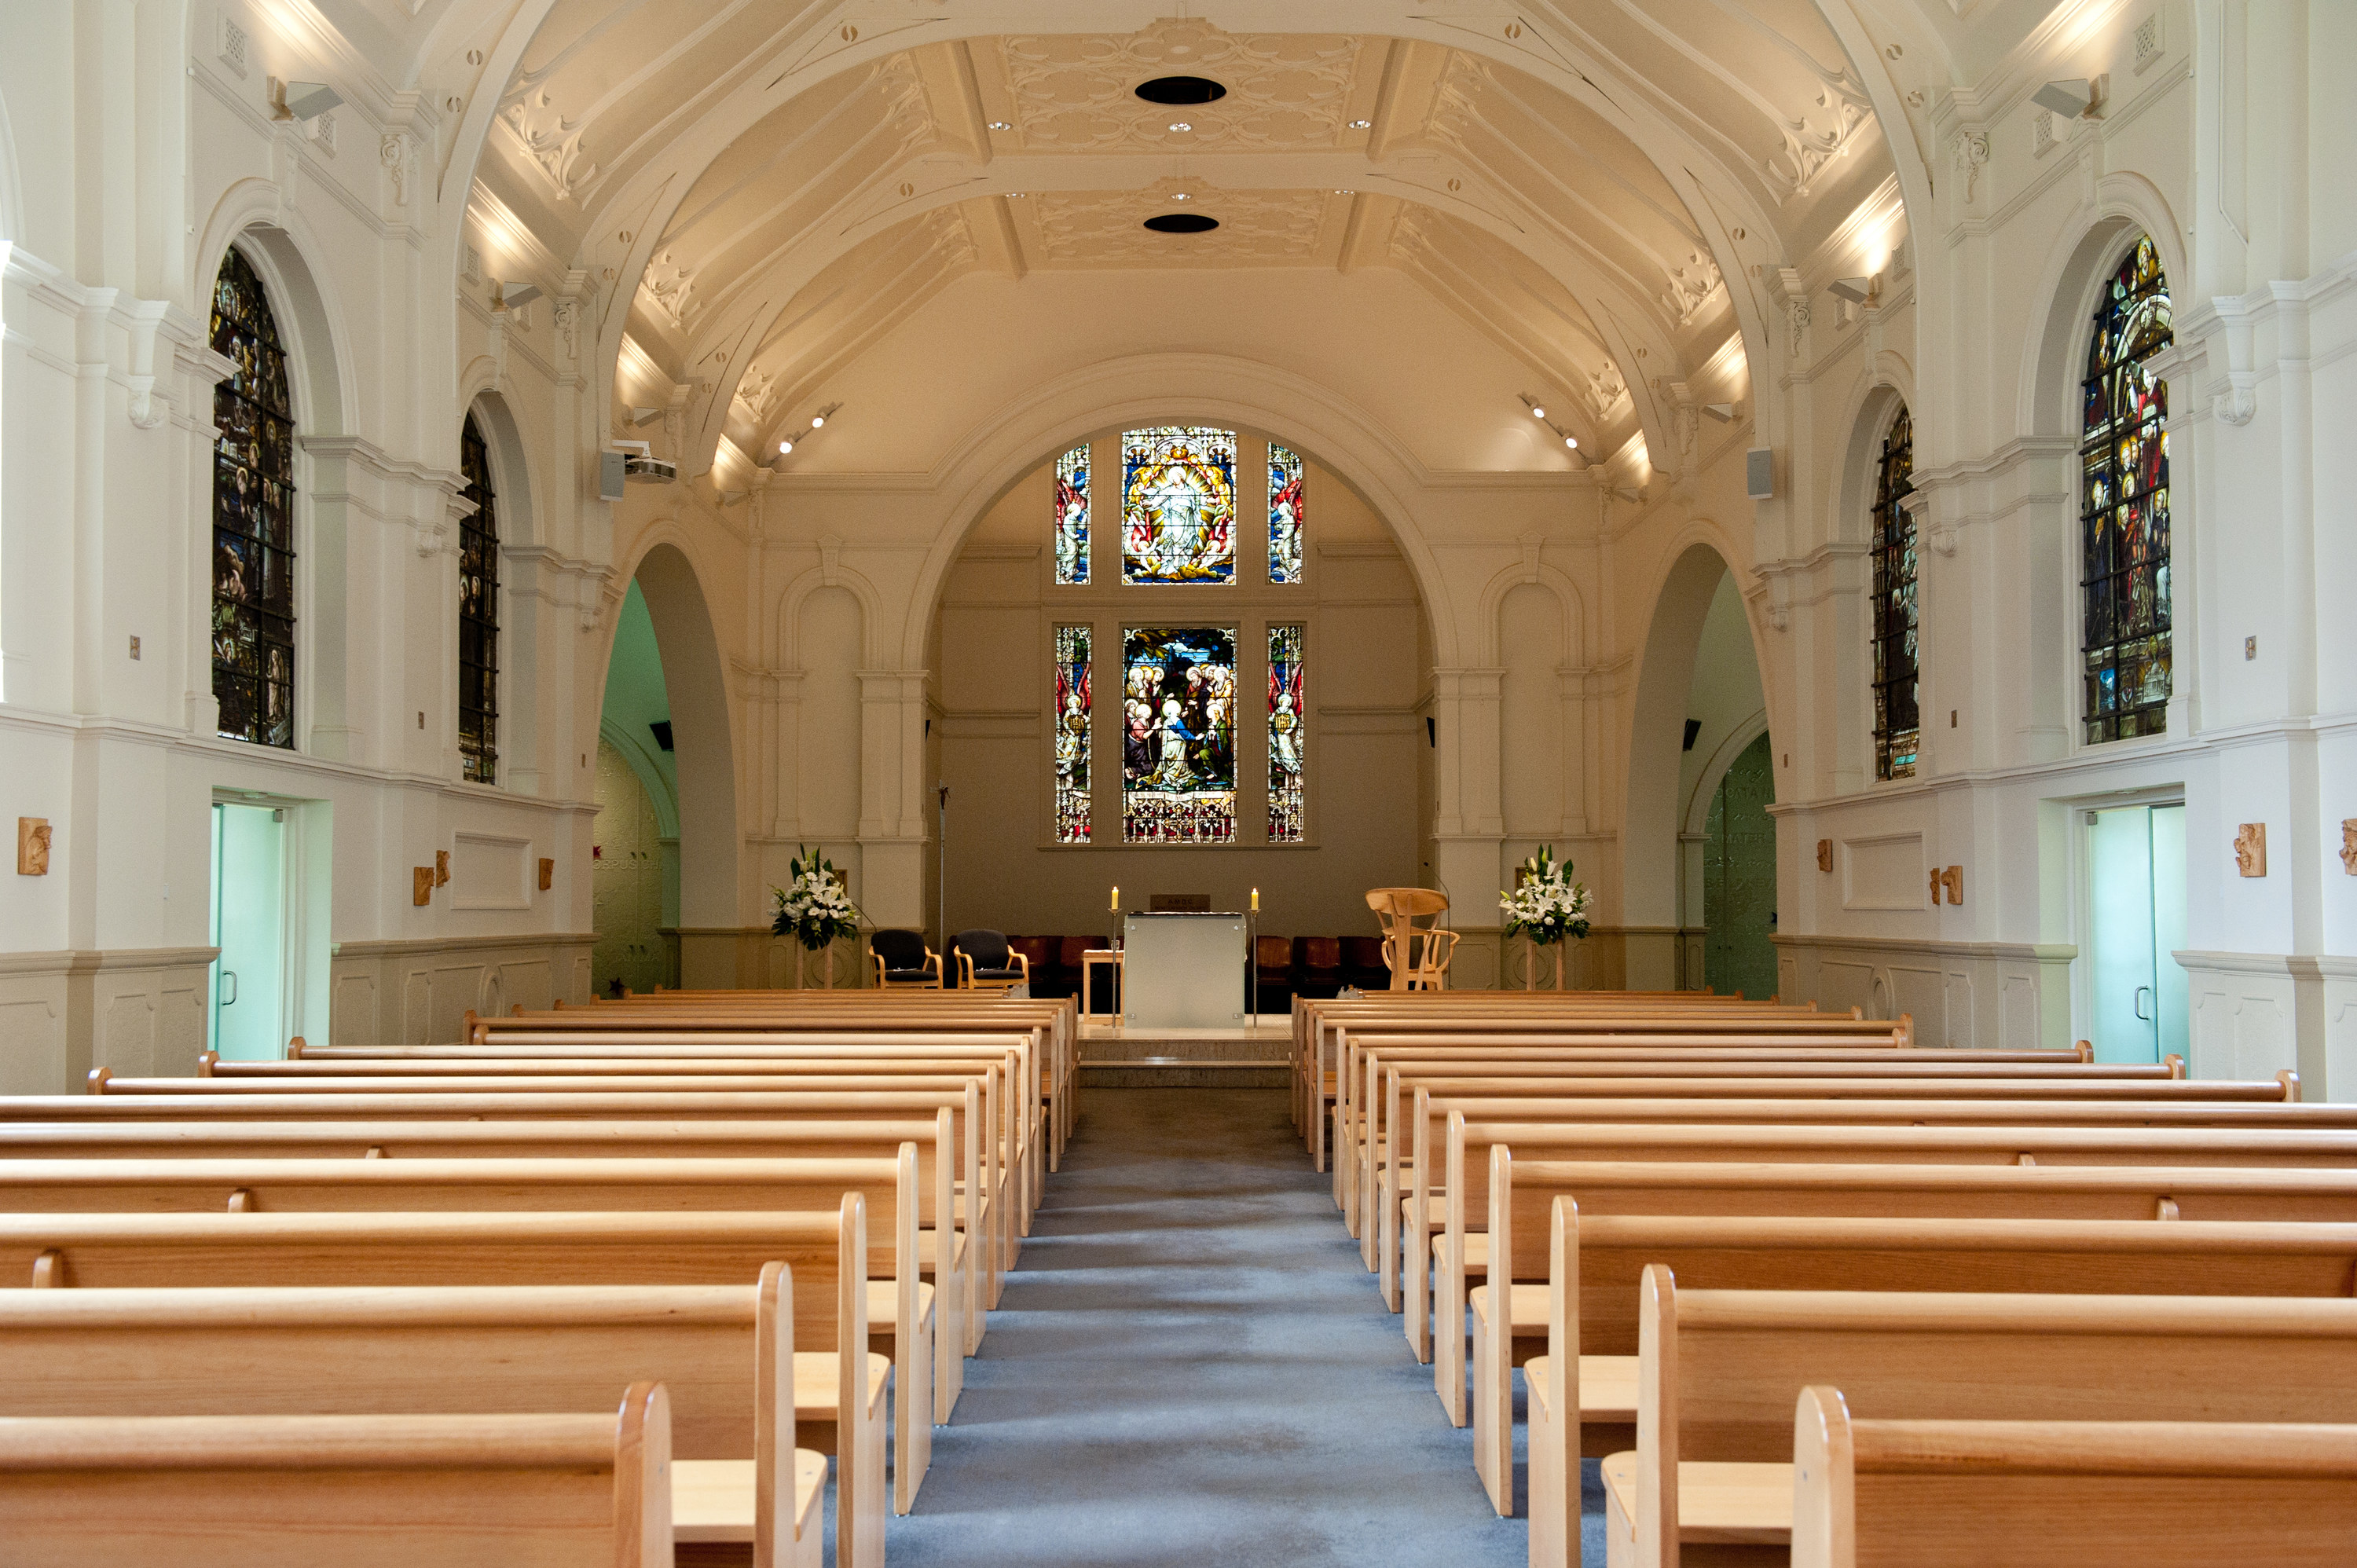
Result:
[1545,904]
[814,910]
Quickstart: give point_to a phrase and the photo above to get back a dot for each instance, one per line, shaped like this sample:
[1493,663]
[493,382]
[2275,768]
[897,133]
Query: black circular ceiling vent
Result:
[1182,224]
[1181,90]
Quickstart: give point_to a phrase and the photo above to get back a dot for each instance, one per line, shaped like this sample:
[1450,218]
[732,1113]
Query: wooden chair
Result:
[2063,1493]
[1418,955]
[901,960]
[985,961]
[1317,970]
[1272,972]
[360,1492]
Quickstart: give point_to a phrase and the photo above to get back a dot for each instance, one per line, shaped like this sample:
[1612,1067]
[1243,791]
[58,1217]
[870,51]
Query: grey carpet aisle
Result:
[1193,1367]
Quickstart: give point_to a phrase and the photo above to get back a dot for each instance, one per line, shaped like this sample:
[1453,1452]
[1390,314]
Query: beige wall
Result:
[994,688]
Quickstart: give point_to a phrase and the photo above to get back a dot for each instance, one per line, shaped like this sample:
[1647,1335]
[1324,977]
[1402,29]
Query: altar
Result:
[1184,970]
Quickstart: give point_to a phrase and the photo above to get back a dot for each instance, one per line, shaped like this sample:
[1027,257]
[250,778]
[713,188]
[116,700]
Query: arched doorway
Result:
[1739,878]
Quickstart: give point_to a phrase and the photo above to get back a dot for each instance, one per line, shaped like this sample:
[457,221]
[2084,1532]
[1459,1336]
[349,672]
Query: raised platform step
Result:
[1255,1058]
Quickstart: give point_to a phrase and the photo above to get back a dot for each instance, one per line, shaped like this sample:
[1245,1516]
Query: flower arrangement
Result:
[1545,904]
[814,909]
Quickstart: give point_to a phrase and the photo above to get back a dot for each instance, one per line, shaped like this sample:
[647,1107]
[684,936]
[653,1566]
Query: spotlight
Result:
[784,447]
[515,295]
[1572,442]
[303,100]
[818,422]
[1858,291]
[642,417]
[1538,412]
[2071,98]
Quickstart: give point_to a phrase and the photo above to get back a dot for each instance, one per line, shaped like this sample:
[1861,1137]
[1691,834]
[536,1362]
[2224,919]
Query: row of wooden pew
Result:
[1812,1291]
[602,1284]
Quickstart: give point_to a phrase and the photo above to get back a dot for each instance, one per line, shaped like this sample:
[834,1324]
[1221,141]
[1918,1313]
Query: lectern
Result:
[1184,971]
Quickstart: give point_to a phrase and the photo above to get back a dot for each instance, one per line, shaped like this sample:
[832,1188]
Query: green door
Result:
[2135,870]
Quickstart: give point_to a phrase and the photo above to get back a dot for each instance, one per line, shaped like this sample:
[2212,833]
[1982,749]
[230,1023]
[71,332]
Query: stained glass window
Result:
[1897,722]
[479,613]
[2124,507]
[1283,514]
[1072,515]
[253,516]
[1178,505]
[1178,751]
[1072,734]
[1286,738]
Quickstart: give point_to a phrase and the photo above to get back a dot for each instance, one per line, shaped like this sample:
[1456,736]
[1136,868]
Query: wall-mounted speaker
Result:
[1759,473]
[610,477]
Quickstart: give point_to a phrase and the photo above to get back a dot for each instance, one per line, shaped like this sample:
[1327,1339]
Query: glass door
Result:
[249,928]
[2135,902]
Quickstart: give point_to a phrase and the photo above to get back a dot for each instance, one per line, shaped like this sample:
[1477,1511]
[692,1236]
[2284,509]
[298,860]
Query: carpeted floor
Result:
[1191,1367]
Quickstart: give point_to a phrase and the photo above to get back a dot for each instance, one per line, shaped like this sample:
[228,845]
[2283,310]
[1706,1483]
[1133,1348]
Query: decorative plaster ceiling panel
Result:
[1257,227]
[1074,93]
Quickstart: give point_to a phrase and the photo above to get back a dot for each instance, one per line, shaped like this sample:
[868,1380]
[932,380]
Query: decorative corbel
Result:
[2238,401]
[141,318]
[1969,150]
[393,154]
[1682,416]
[1532,544]
[1796,309]
[830,560]
[1940,536]
[600,591]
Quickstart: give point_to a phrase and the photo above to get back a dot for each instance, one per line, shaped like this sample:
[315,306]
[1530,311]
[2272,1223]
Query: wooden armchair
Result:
[1419,955]
[902,961]
[985,962]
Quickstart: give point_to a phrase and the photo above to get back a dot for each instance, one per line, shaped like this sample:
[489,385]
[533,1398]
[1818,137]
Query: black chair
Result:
[1363,965]
[1320,970]
[985,962]
[902,961]
[1273,964]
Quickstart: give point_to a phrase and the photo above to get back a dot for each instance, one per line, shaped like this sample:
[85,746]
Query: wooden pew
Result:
[1593,1296]
[362,1491]
[2061,1494]
[979,1156]
[1441,1175]
[675,1145]
[843,1412]
[1523,1192]
[724,1355]
[1717,1370]
[906,1318]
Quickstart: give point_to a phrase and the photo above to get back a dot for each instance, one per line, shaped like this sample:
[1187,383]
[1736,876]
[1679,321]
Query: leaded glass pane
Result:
[2124,507]
[1897,726]
[1287,739]
[479,613]
[1284,517]
[1072,734]
[1178,505]
[1072,515]
[253,516]
[1179,752]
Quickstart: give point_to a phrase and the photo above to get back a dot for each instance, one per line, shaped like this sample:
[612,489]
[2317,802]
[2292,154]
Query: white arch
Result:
[2062,301]
[788,619]
[1569,603]
[1211,388]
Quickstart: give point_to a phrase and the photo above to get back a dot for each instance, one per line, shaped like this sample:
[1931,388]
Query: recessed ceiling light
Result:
[1180,197]
[1180,126]
[1000,125]
[1363,125]
[1177,89]
[1339,192]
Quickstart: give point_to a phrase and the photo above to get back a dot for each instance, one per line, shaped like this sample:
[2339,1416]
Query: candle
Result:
[1116,895]
[1255,900]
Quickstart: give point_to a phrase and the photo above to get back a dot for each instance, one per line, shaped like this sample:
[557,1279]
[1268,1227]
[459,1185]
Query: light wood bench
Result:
[2061,1494]
[362,1491]
[1522,1194]
[1717,1370]
[724,1355]
[907,1319]
[1593,1296]
[983,1170]
[1437,1181]
[826,1252]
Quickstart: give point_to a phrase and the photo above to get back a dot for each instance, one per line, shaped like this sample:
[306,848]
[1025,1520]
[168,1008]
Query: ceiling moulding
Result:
[1072,91]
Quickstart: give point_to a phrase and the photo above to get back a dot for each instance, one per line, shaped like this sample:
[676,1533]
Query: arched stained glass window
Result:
[1178,740]
[1178,505]
[253,516]
[1897,724]
[478,614]
[1072,516]
[1285,514]
[2124,507]
[1073,704]
[1288,737]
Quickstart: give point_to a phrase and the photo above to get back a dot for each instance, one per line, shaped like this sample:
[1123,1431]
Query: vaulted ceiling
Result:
[759,193]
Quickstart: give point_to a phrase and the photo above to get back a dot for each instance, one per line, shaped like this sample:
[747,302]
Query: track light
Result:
[784,447]
[1538,412]
[1572,442]
[818,422]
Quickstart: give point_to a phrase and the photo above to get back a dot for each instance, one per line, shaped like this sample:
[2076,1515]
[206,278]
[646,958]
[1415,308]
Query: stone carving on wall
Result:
[1690,286]
[671,289]
[548,138]
[1072,91]
[1970,152]
[1605,388]
[392,153]
[32,846]
[1952,879]
[1825,855]
[2251,849]
[2349,845]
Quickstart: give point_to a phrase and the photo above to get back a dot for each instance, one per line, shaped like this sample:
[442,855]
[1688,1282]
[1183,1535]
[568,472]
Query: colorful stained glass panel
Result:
[1178,505]
[1072,516]
[1284,515]
[2124,507]
[1178,751]
[479,613]
[1072,698]
[1288,735]
[1898,729]
[253,516]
